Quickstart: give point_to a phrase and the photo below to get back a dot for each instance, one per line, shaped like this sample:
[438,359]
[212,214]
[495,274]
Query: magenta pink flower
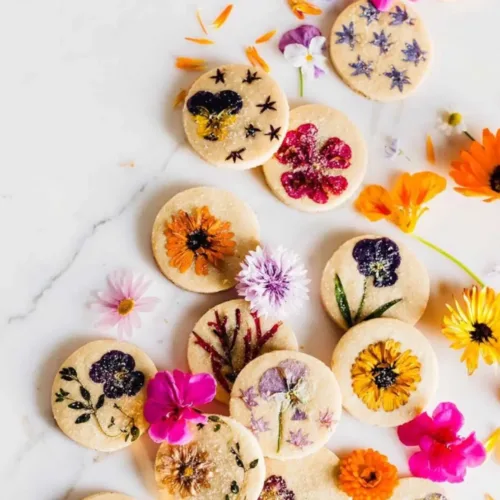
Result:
[311,165]
[384,5]
[123,300]
[171,404]
[444,455]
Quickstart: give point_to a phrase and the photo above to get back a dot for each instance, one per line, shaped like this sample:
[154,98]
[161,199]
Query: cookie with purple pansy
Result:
[321,162]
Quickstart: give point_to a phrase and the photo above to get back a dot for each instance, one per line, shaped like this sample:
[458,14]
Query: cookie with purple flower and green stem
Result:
[108,496]
[312,477]
[290,401]
[228,337]
[321,162]
[371,277]
[387,371]
[419,489]
[201,236]
[383,56]
[222,461]
[235,116]
[99,393]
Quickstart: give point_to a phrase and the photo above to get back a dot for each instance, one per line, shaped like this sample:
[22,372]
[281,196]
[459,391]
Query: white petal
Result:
[320,62]
[317,44]
[308,70]
[296,54]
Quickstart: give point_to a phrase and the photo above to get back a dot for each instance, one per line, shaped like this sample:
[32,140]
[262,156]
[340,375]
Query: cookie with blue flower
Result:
[382,55]
[372,277]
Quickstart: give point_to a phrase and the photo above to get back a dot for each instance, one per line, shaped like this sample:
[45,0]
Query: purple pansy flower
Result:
[276,488]
[284,381]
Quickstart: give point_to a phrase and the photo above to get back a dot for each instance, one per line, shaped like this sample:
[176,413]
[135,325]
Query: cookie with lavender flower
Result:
[99,392]
[371,277]
[228,337]
[419,489]
[290,401]
[321,162]
[235,116]
[201,236]
[383,56]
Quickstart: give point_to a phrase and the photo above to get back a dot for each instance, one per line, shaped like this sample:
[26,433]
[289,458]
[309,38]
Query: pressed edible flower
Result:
[171,401]
[393,149]
[475,327]
[266,37]
[430,150]
[274,281]
[122,302]
[451,123]
[200,21]
[477,172]
[256,59]
[384,5]
[301,8]
[222,17]
[200,41]
[180,98]
[444,455]
[367,475]
[189,64]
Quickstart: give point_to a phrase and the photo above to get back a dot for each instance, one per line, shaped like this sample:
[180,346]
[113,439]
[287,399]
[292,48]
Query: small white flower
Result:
[451,123]
[308,59]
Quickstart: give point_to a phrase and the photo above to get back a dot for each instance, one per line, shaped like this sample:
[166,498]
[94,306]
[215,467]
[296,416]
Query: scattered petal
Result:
[180,98]
[222,17]
[266,37]
[200,21]
[129,164]
[255,59]
[429,147]
[200,41]
[190,64]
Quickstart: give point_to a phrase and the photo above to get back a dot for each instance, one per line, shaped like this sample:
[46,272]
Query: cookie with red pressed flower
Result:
[201,236]
[99,392]
[422,489]
[321,162]
[229,336]
[108,496]
[383,56]
[235,116]
[290,401]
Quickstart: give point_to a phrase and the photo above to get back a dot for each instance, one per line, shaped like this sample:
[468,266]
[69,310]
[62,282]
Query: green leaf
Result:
[77,405]
[217,428]
[214,418]
[254,463]
[72,371]
[100,402]
[342,301]
[111,422]
[226,497]
[235,488]
[200,426]
[382,309]
[85,417]
[85,394]
[134,432]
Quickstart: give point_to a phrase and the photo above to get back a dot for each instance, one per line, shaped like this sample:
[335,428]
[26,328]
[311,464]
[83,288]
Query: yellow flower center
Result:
[188,471]
[454,119]
[309,57]
[125,306]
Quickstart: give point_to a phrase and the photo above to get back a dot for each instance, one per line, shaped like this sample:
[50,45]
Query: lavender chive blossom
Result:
[382,41]
[362,68]
[258,425]
[299,439]
[299,415]
[413,53]
[398,78]
[400,16]
[326,419]
[370,13]
[248,397]
[347,35]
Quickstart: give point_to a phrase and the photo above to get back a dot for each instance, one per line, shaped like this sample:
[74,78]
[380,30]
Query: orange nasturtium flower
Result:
[477,172]
[301,8]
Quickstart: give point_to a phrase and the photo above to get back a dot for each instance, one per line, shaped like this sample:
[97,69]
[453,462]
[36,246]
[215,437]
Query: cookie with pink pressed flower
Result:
[290,401]
[99,392]
[419,489]
[229,336]
[235,116]
[108,496]
[321,162]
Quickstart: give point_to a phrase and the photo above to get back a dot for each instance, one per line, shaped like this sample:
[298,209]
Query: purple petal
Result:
[318,72]
[302,35]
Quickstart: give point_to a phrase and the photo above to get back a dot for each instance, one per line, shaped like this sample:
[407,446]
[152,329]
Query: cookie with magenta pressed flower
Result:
[108,496]
[223,460]
[235,116]
[201,236]
[99,393]
[290,401]
[321,162]
[229,336]
[371,277]
[383,56]
[308,478]
[387,372]
[419,489]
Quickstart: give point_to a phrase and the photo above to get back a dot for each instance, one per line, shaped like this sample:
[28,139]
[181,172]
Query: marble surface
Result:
[87,89]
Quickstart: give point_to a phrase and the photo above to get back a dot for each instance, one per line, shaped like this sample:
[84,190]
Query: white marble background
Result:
[87,86]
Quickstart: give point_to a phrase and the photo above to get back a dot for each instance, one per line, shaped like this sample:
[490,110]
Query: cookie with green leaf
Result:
[99,392]
[372,277]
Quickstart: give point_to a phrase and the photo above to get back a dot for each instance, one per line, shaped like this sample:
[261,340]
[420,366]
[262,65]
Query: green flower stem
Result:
[301,83]
[469,136]
[462,266]
[280,427]
[362,303]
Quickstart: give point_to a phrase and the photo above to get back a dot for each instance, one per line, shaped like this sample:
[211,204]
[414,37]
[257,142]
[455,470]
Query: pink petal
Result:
[447,416]
[162,388]
[200,389]
[193,416]
[420,467]
[125,326]
[172,431]
[472,450]
[411,433]
[146,304]
[382,5]
[140,287]
[154,410]
[109,319]
[135,320]
[127,283]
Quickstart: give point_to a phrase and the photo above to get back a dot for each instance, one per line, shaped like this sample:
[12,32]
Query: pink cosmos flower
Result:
[444,455]
[384,5]
[123,300]
[171,401]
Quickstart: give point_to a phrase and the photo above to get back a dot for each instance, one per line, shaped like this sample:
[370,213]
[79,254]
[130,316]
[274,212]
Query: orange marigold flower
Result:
[478,169]
[300,8]
[367,475]
[190,64]
[200,238]
[222,17]
[404,205]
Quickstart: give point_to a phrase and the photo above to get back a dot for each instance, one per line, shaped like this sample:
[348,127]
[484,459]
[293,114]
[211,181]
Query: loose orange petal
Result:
[431,154]
[488,497]
[308,8]
[493,441]
[190,64]
[266,37]
[200,21]
[180,98]
[255,59]
[200,41]
[375,203]
[222,17]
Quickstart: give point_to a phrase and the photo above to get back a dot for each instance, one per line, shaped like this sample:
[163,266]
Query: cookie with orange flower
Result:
[201,236]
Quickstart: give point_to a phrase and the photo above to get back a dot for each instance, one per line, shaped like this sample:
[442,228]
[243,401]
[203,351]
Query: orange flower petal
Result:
[426,186]
[266,37]
[200,41]
[200,21]
[255,59]
[222,17]
[375,203]
[429,148]
[190,64]
[180,98]
[308,8]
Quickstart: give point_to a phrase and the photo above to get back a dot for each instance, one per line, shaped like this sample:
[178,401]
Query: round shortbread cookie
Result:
[228,337]
[201,236]
[413,488]
[99,393]
[387,372]
[222,461]
[321,162]
[108,496]
[382,55]
[290,401]
[309,478]
[235,116]
[370,276]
